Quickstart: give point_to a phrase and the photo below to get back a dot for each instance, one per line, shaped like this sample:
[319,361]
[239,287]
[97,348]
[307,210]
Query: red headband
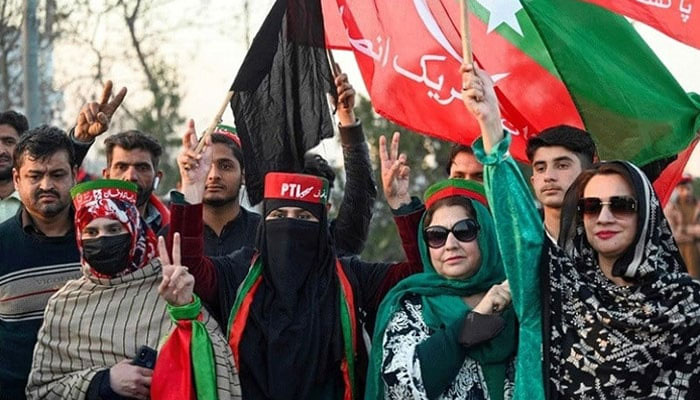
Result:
[229,132]
[299,187]
[92,192]
[455,191]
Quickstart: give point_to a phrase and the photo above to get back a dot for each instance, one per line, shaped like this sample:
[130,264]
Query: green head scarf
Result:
[442,297]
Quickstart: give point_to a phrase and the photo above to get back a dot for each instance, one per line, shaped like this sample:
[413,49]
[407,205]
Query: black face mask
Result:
[108,255]
[292,247]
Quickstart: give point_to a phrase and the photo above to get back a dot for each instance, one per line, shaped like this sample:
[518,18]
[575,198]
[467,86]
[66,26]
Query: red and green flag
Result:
[671,176]
[553,62]
[185,367]
[679,19]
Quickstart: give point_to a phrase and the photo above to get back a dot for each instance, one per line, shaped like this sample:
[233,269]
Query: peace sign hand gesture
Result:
[94,118]
[395,173]
[178,284]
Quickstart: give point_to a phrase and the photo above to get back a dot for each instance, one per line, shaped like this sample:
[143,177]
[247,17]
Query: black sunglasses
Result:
[617,204]
[465,230]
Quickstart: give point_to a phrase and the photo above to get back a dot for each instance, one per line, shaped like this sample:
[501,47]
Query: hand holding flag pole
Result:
[214,122]
[335,70]
[466,36]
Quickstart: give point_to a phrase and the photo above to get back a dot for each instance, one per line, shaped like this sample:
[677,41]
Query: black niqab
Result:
[293,339]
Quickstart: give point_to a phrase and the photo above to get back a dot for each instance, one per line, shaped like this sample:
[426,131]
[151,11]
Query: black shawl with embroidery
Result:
[612,342]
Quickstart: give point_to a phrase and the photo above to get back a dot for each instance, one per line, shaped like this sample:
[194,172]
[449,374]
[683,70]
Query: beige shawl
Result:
[92,324]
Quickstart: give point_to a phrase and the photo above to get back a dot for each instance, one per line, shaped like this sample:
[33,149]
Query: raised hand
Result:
[130,381]
[480,99]
[178,284]
[496,299]
[346,98]
[194,167]
[94,118]
[395,173]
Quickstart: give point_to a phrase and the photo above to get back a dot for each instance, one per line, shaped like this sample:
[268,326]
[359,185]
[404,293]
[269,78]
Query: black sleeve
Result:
[231,271]
[654,169]
[80,149]
[479,328]
[100,389]
[368,279]
[351,227]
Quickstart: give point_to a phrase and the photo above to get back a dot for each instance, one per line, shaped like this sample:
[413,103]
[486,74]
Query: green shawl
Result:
[442,297]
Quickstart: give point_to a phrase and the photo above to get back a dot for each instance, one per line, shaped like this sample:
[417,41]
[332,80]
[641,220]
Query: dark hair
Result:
[16,120]
[231,144]
[460,201]
[316,165]
[456,149]
[573,139]
[570,217]
[41,143]
[134,139]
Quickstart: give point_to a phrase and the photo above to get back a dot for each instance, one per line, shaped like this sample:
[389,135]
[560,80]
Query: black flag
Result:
[280,93]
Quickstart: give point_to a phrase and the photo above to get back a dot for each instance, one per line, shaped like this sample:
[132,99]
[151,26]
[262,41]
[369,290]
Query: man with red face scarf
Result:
[296,310]
[94,325]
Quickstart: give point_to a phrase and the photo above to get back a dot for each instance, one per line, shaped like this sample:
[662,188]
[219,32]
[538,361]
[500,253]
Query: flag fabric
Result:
[336,37]
[185,367]
[669,178]
[676,18]
[280,92]
[553,62]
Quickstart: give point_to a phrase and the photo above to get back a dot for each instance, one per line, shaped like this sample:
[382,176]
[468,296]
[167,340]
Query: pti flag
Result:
[679,19]
[553,62]
[280,93]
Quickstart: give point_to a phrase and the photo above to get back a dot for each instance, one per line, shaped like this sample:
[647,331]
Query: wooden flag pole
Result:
[334,66]
[214,122]
[466,36]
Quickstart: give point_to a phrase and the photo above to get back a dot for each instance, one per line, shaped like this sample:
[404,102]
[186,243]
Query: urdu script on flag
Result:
[553,62]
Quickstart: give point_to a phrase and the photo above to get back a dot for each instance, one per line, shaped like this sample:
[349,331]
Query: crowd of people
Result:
[107,292]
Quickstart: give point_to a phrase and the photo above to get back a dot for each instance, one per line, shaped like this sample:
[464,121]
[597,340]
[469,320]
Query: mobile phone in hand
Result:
[145,357]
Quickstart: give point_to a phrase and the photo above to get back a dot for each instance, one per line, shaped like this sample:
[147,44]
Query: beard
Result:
[142,196]
[222,201]
[52,209]
[5,174]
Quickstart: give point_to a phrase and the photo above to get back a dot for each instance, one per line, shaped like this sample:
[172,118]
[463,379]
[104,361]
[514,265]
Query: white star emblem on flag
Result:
[503,11]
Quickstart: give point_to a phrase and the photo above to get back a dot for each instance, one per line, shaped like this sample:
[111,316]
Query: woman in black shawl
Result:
[625,316]
[616,315]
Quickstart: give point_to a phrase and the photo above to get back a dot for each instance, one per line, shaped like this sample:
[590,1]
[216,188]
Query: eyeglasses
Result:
[465,230]
[618,205]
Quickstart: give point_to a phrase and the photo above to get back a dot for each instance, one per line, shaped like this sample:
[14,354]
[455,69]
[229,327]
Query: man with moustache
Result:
[12,126]
[38,252]
[227,225]
[133,156]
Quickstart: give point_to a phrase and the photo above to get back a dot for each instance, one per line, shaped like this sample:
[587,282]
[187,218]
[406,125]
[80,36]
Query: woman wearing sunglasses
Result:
[448,332]
[616,314]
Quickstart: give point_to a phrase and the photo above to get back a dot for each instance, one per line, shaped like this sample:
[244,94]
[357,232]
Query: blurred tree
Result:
[123,40]
[161,117]
[11,71]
